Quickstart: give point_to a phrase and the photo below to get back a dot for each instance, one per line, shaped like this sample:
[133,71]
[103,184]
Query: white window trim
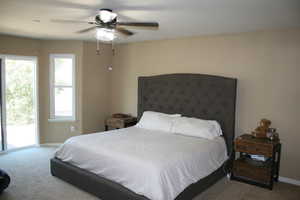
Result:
[54,118]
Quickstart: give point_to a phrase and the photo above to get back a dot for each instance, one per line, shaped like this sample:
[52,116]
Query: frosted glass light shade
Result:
[104,34]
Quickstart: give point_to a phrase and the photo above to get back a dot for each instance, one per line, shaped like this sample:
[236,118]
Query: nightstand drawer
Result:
[253,148]
[117,123]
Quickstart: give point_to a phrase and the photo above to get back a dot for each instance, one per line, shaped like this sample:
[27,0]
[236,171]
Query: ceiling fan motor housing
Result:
[106,18]
[100,22]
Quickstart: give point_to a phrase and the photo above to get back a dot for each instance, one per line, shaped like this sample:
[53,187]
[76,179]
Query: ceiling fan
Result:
[107,25]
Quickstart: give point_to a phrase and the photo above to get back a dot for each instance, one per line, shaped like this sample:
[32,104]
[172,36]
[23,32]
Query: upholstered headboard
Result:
[192,95]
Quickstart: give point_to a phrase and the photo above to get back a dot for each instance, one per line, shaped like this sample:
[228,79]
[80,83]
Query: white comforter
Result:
[155,164]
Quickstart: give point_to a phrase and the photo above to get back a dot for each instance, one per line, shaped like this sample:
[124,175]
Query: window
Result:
[62,87]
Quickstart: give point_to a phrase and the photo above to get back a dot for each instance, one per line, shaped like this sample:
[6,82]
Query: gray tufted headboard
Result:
[192,95]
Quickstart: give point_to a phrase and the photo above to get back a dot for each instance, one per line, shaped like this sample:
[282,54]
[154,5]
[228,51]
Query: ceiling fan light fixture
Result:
[107,15]
[106,35]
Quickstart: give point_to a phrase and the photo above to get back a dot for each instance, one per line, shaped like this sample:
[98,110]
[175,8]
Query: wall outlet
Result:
[72,128]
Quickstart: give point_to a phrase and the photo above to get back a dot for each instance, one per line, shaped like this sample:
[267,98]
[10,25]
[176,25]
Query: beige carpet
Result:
[31,180]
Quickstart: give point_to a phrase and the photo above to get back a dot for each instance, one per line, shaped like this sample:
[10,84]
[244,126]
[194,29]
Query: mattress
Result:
[155,164]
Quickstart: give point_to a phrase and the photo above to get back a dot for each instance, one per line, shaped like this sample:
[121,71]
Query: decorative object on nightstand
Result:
[264,130]
[259,160]
[120,120]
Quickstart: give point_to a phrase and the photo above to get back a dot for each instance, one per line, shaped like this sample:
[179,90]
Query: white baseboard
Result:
[289,180]
[50,144]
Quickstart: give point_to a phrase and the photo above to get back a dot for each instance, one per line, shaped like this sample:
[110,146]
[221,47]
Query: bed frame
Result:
[192,95]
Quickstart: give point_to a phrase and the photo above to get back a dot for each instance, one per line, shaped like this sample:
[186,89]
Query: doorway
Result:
[18,102]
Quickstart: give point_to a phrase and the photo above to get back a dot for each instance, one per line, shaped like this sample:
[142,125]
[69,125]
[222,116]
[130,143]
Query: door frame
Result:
[3,139]
[36,96]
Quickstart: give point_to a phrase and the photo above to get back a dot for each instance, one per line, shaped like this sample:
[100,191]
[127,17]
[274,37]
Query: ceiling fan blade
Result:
[87,29]
[142,25]
[124,31]
[71,21]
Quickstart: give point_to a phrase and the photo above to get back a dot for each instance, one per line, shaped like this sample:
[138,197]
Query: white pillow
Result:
[208,129]
[157,121]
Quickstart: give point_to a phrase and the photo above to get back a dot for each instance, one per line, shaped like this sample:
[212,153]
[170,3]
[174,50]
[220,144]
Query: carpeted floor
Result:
[31,180]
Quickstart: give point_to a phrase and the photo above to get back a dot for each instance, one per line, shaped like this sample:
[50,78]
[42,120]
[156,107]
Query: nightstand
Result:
[120,122]
[248,170]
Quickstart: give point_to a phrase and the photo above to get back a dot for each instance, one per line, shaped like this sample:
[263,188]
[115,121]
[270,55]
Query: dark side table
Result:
[260,173]
[119,122]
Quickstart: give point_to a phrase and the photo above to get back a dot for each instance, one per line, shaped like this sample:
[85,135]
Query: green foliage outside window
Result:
[19,92]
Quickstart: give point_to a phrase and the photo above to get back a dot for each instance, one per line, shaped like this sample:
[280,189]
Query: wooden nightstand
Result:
[120,122]
[260,173]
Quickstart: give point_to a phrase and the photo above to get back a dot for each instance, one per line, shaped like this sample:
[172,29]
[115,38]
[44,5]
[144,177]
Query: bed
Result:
[192,95]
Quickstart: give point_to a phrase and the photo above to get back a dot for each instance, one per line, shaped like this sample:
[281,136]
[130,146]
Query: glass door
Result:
[19,102]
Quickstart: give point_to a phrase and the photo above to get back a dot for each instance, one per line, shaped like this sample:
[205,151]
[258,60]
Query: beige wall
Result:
[55,132]
[265,63]
[95,87]
[19,46]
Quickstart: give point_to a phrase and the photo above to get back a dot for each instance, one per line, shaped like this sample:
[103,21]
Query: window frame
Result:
[52,85]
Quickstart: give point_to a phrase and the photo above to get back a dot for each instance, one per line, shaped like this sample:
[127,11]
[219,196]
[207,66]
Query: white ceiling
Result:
[177,18]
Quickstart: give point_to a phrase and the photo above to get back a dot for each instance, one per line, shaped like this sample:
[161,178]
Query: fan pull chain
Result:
[113,48]
[98,49]
[110,68]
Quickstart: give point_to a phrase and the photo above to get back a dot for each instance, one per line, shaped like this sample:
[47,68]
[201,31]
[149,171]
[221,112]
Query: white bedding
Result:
[150,163]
